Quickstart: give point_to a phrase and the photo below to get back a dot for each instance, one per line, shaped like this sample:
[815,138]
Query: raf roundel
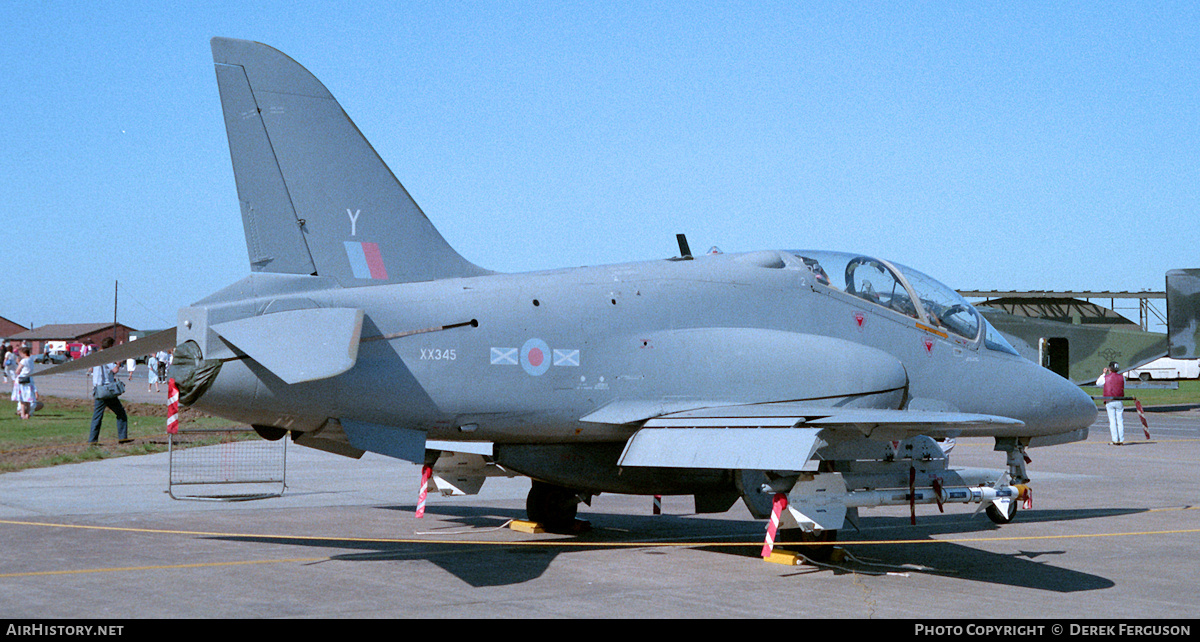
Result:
[535,357]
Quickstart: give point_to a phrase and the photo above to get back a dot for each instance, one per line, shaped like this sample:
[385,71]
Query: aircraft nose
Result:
[1068,406]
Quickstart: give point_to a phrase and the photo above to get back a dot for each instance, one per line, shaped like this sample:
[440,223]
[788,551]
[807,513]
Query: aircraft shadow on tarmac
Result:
[1023,569]
[490,564]
[485,563]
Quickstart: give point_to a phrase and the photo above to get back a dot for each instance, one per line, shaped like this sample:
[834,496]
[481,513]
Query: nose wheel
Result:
[1001,511]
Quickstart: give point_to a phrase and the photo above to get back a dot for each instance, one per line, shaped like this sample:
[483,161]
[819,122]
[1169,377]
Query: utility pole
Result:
[116,285]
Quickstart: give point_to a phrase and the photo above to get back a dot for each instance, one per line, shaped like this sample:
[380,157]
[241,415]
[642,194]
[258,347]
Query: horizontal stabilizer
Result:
[299,345]
[149,344]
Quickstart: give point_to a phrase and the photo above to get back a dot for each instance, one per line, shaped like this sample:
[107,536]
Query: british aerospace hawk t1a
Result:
[824,376]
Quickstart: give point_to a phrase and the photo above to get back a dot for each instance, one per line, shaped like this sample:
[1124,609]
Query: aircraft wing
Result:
[785,436]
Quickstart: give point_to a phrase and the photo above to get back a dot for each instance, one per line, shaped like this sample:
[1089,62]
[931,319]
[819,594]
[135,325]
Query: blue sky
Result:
[990,145]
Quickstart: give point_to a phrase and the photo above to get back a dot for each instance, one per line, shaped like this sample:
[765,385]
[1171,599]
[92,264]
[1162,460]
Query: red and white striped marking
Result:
[426,473]
[658,504]
[777,506]
[172,407]
[1142,416]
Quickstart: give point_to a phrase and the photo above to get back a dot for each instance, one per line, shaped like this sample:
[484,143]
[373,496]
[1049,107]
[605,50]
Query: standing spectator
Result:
[162,357]
[102,375]
[1113,383]
[10,364]
[24,391]
[152,377]
[131,365]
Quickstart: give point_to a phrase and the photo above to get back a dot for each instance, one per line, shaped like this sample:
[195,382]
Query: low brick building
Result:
[71,333]
[9,328]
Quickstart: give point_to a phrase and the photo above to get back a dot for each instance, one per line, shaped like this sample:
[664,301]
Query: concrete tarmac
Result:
[78,385]
[1112,534]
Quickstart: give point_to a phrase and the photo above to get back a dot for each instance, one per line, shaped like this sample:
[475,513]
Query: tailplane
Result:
[315,197]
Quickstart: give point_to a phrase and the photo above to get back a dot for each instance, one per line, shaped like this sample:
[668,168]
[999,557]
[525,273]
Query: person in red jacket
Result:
[1114,389]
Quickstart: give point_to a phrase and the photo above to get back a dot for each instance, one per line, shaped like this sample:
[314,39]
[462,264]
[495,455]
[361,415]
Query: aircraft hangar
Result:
[1071,334]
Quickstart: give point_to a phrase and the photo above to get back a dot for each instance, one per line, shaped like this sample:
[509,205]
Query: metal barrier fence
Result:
[225,464]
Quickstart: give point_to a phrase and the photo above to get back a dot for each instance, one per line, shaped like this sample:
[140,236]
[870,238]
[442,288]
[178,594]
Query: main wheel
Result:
[270,433]
[999,516]
[553,506]
[818,546]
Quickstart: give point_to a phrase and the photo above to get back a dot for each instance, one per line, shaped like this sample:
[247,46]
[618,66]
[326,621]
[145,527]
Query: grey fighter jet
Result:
[828,379]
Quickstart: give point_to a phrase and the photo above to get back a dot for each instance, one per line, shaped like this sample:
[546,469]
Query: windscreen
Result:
[945,308]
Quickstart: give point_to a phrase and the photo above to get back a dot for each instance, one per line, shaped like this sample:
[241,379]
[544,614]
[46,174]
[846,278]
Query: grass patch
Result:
[58,433]
[1188,393]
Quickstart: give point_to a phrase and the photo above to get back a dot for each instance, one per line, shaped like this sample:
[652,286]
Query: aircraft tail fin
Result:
[315,197]
[1183,313]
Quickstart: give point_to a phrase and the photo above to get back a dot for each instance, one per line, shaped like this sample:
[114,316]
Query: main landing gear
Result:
[816,545]
[555,508]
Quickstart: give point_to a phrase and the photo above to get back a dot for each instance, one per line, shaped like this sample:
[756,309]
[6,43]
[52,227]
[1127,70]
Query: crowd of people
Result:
[18,367]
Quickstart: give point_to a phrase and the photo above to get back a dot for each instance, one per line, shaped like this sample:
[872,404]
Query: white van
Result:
[1166,368]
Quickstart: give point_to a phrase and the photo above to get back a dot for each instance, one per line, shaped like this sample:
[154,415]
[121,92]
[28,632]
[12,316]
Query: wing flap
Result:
[785,436]
[864,420]
[723,448]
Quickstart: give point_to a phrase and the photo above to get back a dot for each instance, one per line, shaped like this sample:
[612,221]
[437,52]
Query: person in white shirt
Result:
[24,391]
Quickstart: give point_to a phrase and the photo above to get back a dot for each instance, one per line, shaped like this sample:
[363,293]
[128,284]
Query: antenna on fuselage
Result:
[685,252]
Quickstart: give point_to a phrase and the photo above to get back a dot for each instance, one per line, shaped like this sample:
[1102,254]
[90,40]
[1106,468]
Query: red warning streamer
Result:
[426,473]
[172,407]
[1142,416]
[777,506]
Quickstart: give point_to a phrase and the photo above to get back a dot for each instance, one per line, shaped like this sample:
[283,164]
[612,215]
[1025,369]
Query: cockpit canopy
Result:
[905,291]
